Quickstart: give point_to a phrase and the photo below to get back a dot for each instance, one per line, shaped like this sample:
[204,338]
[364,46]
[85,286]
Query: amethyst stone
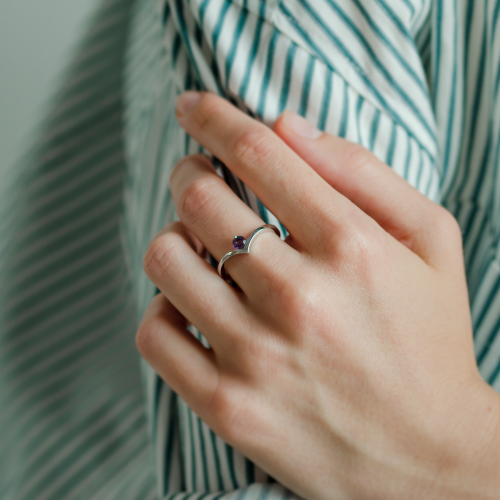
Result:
[239,242]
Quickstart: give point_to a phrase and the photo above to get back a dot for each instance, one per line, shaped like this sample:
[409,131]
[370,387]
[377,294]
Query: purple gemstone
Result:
[239,242]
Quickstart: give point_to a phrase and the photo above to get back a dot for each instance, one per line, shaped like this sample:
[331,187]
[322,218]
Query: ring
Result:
[242,246]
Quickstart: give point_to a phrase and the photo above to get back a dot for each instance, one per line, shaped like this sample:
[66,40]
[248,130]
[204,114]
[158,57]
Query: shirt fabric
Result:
[414,81]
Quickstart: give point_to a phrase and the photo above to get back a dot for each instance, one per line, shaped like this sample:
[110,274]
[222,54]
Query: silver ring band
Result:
[245,246]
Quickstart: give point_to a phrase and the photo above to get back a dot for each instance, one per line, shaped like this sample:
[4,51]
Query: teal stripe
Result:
[220,22]
[495,18]
[284,232]
[489,341]
[437,54]
[408,160]
[495,289]
[381,36]
[287,77]
[494,375]
[325,102]
[359,107]
[166,13]
[377,63]
[426,45]
[475,247]
[267,74]
[496,86]
[478,97]
[306,86]
[431,175]
[220,483]
[185,38]
[263,212]
[204,459]
[171,437]
[238,30]
[395,19]
[374,130]
[410,6]
[345,111]
[364,77]
[480,183]
[253,53]
[392,146]
[249,472]
[419,174]
[230,462]
[202,11]
[190,422]
[176,47]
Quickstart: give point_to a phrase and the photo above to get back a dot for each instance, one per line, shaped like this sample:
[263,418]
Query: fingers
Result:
[280,179]
[208,207]
[192,285]
[393,203]
[180,359]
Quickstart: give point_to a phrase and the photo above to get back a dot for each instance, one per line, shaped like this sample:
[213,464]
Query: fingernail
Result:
[186,101]
[301,126]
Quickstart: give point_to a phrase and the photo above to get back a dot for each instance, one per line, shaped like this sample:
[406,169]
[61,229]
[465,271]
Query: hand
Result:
[343,364]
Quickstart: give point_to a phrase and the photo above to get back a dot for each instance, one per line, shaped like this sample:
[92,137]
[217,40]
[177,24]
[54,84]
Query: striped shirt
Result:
[414,81]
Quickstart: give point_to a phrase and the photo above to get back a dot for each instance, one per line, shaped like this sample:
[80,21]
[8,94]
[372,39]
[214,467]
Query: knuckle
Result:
[255,147]
[222,410]
[161,254]
[188,167]
[145,338]
[196,196]
[447,226]
[358,157]
[302,302]
[360,253]
[332,220]
[180,166]
[207,111]
[232,418]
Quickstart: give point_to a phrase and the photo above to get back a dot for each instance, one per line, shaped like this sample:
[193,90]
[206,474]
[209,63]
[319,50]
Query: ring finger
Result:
[208,207]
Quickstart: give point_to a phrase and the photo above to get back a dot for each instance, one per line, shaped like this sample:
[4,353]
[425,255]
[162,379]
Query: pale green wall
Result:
[36,41]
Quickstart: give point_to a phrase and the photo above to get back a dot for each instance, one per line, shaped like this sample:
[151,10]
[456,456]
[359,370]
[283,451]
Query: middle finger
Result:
[285,183]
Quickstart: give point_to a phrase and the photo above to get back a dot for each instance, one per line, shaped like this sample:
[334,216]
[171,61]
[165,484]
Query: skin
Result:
[343,363]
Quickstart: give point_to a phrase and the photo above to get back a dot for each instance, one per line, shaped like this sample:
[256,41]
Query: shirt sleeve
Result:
[360,69]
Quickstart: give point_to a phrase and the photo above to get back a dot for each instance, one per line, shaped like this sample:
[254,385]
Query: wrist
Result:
[470,469]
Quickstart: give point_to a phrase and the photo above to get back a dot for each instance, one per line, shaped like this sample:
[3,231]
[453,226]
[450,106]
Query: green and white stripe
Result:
[72,419]
[415,81]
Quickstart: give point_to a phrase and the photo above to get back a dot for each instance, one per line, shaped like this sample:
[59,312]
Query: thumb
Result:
[399,208]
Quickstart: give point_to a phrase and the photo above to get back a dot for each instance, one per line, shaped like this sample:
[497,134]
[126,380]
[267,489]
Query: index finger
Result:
[286,185]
